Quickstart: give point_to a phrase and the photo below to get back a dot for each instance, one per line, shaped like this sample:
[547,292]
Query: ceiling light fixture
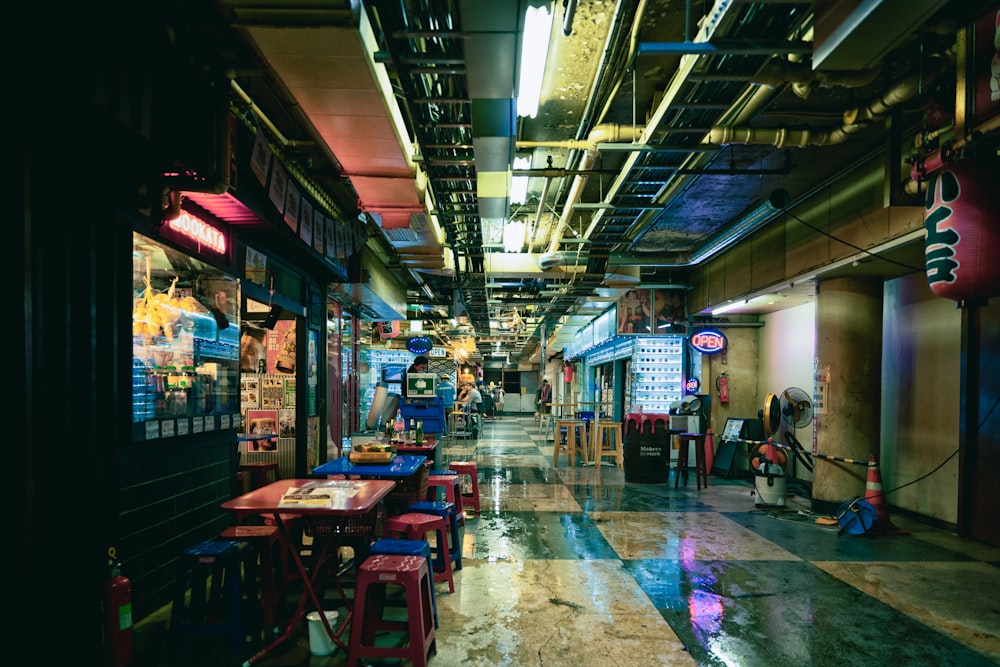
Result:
[534,51]
[519,184]
[513,235]
[728,307]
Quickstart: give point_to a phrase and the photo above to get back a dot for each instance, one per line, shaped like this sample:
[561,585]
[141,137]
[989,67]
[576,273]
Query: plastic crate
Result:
[408,490]
[358,525]
[430,412]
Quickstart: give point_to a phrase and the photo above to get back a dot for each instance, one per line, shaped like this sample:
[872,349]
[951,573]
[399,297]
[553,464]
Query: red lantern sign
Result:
[963,230]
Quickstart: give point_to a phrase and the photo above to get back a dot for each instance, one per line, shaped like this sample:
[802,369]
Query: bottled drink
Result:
[412,433]
[419,438]
[388,430]
[399,425]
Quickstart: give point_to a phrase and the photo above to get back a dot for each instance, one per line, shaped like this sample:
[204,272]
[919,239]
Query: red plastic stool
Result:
[415,526]
[375,576]
[470,469]
[452,484]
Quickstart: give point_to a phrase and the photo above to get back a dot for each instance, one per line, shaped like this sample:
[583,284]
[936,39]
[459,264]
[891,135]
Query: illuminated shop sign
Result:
[708,341]
[691,386]
[199,231]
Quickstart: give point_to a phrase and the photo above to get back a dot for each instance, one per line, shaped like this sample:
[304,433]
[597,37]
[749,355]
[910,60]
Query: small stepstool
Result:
[452,485]
[449,513]
[375,576]
[388,546]
[470,470]
[217,609]
[415,526]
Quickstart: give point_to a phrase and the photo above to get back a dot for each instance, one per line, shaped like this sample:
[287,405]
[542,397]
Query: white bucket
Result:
[320,642]
[770,486]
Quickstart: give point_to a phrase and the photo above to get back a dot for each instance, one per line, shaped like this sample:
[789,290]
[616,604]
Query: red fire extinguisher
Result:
[722,384]
[118,613]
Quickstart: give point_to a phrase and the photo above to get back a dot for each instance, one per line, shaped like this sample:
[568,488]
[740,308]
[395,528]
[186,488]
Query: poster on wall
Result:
[281,348]
[255,267]
[249,392]
[633,310]
[293,201]
[252,351]
[279,184]
[286,423]
[260,159]
[272,392]
[262,422]
[306,222]
[319,224]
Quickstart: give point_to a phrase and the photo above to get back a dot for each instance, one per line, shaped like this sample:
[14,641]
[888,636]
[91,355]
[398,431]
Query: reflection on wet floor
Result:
[573,566]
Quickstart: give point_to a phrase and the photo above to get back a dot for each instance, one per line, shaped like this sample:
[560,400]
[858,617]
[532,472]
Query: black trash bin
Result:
[647,449]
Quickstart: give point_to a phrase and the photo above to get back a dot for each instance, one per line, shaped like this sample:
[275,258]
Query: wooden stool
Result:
[375,576]
[218,610]
[264,540]
[452,485]
[415,526]
[700,471]
[608,442]
[448,512]
[471,470]
[389,546]
[576,441]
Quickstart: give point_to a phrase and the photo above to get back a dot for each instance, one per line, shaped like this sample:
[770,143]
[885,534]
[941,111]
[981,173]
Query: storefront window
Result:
[185,339]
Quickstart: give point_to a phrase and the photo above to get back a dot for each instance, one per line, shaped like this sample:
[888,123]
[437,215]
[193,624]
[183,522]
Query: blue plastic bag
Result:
[856,517]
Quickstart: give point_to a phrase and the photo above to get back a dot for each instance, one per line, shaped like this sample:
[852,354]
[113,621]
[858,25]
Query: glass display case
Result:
[657,371]
[185,335]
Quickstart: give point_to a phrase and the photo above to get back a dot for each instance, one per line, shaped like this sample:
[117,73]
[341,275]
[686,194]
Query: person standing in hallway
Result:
[446,392]
[473,406]
[544,398]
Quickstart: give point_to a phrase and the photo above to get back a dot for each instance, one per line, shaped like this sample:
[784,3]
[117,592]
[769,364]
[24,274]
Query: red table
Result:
[356,497]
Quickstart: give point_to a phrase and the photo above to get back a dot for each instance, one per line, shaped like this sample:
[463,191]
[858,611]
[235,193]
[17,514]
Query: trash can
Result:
[320,642]
[646,448]
[769,483]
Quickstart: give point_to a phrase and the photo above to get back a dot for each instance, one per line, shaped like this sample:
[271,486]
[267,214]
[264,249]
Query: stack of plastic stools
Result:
[471,470]
[449,513]
[389,546]
[415,526]
[375,576]
[264,540]
[452,484]
[208,612]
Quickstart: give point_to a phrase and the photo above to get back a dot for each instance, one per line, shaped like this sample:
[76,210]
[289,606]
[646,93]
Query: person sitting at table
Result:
[472,405]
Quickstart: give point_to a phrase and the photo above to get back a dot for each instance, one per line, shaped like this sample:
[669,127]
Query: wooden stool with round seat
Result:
[700,470]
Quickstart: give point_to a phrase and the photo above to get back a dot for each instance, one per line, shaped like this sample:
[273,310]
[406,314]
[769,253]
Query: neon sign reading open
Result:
[708,341]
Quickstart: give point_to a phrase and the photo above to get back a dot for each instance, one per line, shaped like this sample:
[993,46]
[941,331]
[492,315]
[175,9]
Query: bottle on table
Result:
[419,435]
[399,425]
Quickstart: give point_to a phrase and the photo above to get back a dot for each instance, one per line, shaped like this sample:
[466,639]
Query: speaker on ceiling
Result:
[272,316]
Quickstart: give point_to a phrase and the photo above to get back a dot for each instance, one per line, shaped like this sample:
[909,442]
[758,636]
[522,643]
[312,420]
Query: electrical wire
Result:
[849,244]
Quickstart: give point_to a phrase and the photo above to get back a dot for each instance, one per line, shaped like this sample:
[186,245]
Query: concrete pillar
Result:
[849,341]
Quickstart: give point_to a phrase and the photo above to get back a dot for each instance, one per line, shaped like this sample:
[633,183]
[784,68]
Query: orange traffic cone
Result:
[709,451]
[876,496]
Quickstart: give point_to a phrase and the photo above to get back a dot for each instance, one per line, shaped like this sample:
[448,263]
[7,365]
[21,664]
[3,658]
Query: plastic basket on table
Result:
[408,490]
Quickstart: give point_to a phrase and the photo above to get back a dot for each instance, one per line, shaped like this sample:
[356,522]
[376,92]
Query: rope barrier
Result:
[826,457]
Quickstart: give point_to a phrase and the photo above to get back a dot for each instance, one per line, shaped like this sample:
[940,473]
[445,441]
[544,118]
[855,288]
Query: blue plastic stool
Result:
[449,513]
[391,546]
[207,614]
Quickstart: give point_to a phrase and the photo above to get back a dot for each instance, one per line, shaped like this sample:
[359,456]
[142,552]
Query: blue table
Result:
[408,471]
[402,465]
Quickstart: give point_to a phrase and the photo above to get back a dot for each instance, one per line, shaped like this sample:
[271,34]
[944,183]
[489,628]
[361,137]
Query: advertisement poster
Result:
[281,348]
[633,311]
[286,423]
[263,422]
[272,392]
[651,311]
[249,392]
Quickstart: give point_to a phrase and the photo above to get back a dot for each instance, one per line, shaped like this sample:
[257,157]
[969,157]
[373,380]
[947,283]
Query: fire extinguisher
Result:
[722,384]
[118,613]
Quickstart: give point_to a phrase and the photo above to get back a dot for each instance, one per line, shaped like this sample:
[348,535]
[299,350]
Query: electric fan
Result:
[796,412]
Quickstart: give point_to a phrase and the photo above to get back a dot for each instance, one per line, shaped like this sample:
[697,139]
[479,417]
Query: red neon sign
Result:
[199,231]
[708,341]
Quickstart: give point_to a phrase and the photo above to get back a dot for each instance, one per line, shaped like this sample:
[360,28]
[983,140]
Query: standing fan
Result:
[796,412]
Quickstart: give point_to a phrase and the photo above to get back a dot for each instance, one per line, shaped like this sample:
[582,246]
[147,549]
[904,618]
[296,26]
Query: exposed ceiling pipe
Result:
[853,119]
